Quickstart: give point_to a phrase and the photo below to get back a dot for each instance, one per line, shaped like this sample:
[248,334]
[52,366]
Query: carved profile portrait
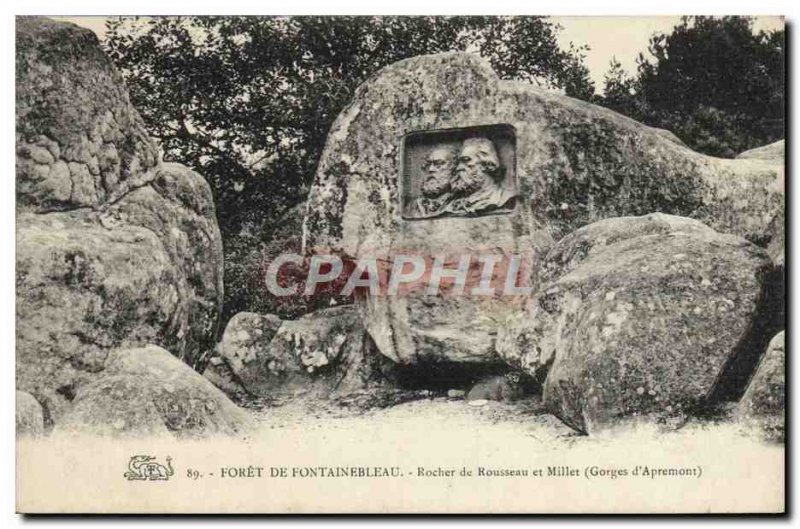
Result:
[437,174]
[462,176]
[477,181]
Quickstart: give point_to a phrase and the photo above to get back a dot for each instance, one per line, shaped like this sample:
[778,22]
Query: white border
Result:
[299,7]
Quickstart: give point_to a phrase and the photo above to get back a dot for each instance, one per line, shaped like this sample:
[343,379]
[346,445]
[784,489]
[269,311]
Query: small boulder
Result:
[147,391]
[29,415]
[763,404]
[503,388]
[328,350]
[322,352]
[244,346]
[638,316]
[456,393]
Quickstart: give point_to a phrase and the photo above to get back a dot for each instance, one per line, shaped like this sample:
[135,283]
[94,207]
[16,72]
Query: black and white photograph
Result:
[400,264]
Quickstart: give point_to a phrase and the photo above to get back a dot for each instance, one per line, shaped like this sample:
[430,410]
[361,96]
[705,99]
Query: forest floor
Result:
[519,423]
[524,417]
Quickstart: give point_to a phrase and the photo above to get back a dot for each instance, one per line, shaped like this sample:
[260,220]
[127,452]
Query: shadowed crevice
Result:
[769,319]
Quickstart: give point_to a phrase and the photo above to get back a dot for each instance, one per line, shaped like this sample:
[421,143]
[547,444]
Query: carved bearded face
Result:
[477,166]
[438,166]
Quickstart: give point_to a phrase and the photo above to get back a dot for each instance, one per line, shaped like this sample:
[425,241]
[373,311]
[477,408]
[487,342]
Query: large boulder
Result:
[325,353]
[764,403]
[146,392]
[575,163]
[114,248]
[642,316]
[80,142]
[774,153]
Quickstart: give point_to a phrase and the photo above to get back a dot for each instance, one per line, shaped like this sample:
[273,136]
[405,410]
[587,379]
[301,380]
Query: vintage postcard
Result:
[400,264]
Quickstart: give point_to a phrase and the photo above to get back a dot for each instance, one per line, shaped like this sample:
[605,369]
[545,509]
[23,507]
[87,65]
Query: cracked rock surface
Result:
[80,142]
[114,247]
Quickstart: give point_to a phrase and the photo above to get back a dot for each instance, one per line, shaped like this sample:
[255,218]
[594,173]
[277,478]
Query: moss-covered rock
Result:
[147,392]
[80,142]
[114,248]
[640,316]
[575,163]
[763,405]
[326,353]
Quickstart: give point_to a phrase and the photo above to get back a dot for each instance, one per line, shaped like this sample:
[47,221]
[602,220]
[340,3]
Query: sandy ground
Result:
[521,422]
[523,418]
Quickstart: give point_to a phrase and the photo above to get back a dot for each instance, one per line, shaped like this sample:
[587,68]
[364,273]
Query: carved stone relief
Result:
[459,172]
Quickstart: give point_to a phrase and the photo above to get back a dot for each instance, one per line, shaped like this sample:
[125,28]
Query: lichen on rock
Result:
[80,142]
[639,317]
[114,248]
[575,164]
[764,403]
[148,392]
[325,353]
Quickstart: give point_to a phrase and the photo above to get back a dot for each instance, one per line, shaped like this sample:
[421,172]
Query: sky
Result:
[607,37]
[624,38]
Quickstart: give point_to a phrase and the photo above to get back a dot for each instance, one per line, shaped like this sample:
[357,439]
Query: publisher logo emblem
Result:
[143,468]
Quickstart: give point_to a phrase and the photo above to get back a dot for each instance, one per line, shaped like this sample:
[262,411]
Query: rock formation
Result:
[242,348]
[774,152]
[573,163]
[114,247]
[637,316]
[324,353]
[29,415]
[764,403]
[654,272]
[148,392]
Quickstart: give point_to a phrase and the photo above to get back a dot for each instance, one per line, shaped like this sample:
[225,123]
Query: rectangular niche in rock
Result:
[466,172]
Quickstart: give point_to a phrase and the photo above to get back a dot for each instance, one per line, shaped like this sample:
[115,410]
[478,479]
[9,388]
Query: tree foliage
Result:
[248,101]
[712,81]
